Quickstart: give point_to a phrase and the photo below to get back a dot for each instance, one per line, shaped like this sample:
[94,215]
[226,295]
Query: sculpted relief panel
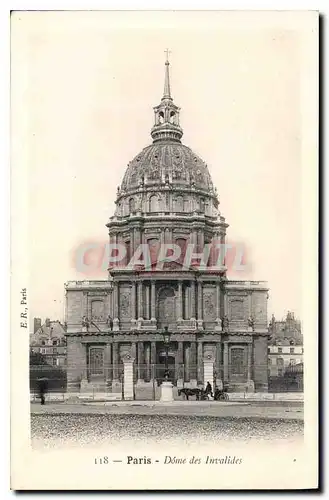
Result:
[209,304]
[125,305]
[237,312]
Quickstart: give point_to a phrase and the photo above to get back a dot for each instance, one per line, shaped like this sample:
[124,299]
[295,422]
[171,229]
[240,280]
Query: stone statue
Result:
[225,323]
[85,322]
[251,322]
[109,322]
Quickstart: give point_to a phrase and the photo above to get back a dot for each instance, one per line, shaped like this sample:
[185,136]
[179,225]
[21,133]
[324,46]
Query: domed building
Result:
[217,328]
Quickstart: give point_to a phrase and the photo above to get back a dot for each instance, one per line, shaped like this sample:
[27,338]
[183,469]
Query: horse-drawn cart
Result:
[202,395]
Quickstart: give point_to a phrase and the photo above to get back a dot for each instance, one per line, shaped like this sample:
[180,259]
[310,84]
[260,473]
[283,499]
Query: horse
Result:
[189,392]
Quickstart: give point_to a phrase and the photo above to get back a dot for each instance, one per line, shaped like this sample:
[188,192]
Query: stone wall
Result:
[260,363]
[74,307]
[76,362]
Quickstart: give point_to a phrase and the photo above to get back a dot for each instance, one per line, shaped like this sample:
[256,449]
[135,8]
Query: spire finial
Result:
[166,92]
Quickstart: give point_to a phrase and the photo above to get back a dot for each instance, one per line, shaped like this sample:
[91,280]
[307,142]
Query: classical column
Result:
[147,302]
[225,305]
[115,347]
[200,319]
[137,238]
[116,305]
[249,361]
[132,242]
[219,371]
[195,240]
[187,349]
[192,311]
[200,362]
[201,240]
[153,359]
[187,299]
[179,363]
[107,362]
[225,362]
[140,300]
[134,355]
[153,300]
[133,303]
[140,361]
[193,363]
[218,326]
[147,354]
[180,300]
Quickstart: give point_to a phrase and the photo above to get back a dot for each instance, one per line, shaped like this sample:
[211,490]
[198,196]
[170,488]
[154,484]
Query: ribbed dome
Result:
[167,162]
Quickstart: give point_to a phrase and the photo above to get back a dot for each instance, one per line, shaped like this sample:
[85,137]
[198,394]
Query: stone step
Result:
[147,393]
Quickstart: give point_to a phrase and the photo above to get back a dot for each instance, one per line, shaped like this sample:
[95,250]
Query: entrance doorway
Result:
[96,363]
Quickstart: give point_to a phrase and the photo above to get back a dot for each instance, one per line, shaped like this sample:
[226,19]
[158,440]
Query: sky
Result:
[92,80]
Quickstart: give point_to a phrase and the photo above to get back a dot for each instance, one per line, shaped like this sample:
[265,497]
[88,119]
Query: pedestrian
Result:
[208,390]
[42,388]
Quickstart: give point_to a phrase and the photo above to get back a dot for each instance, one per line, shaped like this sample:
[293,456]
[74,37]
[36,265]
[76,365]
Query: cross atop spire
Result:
[167,52]
[166,92]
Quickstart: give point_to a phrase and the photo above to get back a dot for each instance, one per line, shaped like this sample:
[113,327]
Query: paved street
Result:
[267,410]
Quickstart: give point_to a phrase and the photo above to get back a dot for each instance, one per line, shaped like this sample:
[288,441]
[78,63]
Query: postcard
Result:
[164,325]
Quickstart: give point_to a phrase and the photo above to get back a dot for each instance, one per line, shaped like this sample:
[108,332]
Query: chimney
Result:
[47,322]
[37,324]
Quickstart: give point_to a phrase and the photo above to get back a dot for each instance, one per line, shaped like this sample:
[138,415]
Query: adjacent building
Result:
[167,196]
[49,340]
[285,347]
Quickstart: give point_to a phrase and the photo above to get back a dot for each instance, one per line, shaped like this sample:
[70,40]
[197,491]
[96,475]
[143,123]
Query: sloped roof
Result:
[54,330]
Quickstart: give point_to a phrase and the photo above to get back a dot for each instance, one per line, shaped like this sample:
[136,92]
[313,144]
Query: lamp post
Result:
[166,338]
[166,386]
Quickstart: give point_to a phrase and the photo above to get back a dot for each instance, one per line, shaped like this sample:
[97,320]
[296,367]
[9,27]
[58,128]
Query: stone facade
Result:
[49,340]
[167,197]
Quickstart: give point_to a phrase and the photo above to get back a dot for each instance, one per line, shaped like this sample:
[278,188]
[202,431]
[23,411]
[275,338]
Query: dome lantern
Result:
[166,115]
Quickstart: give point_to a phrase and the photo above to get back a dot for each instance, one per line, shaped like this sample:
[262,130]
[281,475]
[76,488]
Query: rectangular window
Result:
[237,361]
[292,350]
[280,350]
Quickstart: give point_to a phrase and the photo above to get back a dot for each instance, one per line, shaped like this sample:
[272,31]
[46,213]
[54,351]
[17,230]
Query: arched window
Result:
[186,205]
[161,117]
[55,342]
[153,203]
[153,244]
[173,117]
[179,204]
[181,242]
[128,252]
[131,205]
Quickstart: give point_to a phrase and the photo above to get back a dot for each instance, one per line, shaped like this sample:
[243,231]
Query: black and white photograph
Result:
[164,250]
